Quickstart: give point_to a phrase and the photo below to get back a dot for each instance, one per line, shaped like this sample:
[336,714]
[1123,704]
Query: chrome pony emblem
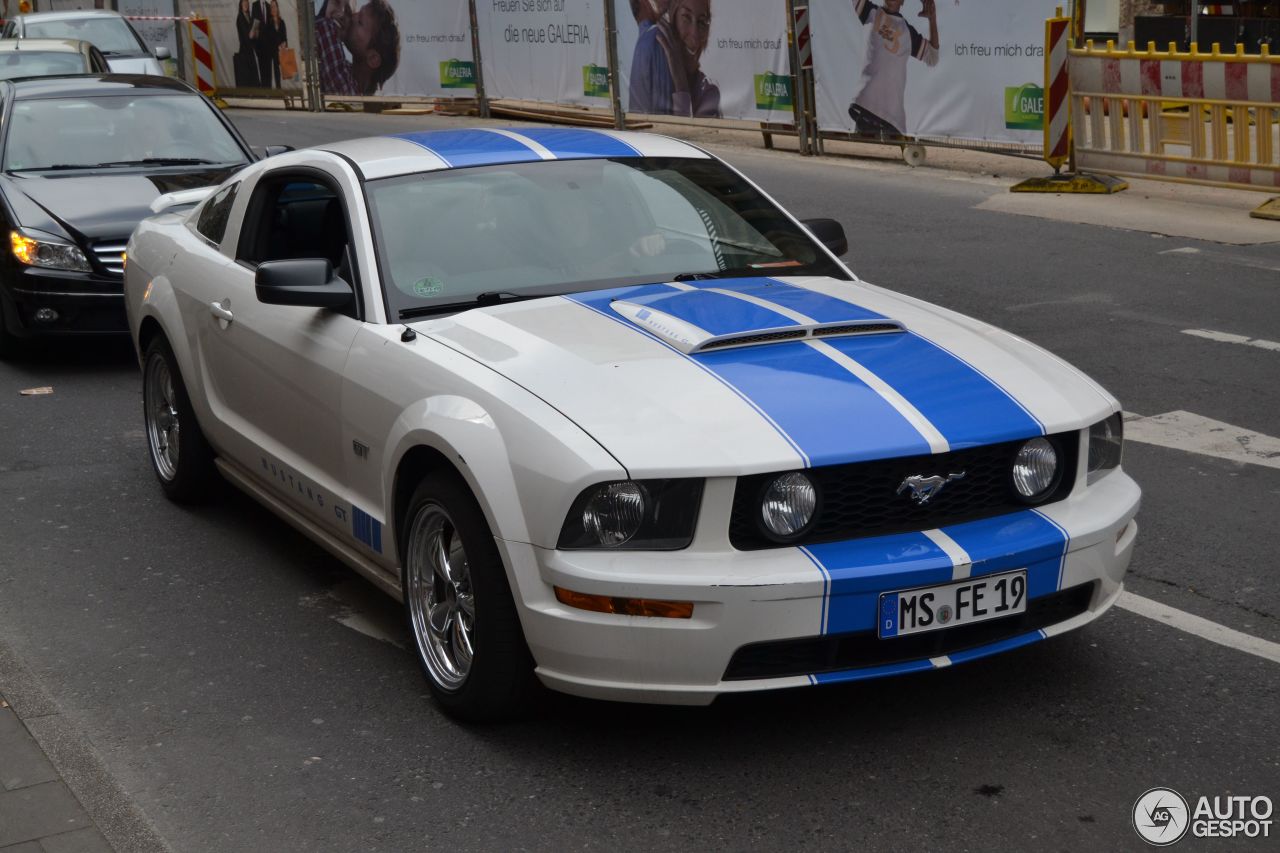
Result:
[923,488]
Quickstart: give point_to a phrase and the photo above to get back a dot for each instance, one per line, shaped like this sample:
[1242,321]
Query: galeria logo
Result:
[1160,816]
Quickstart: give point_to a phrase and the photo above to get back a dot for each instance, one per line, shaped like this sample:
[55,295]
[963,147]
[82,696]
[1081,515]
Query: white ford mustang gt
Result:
[602,415]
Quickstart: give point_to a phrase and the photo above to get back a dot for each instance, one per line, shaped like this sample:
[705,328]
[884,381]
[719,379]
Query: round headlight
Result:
[788,505]
[1035,469]
[614,513]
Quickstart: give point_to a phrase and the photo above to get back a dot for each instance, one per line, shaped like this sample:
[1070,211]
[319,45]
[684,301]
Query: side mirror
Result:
[830,234]
[273,150]
[308,282]
[162,52]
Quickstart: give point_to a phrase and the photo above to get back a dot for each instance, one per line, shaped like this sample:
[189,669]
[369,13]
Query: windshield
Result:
[445,238]
[109,35]
[37,63]
[116,130]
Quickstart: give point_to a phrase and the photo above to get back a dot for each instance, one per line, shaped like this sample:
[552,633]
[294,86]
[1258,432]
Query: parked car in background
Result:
[81,161]
[49,57]
[602,413]
[110,32]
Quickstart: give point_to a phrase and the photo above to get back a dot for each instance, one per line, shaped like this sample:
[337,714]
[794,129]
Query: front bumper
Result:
[79,302]
[809,614]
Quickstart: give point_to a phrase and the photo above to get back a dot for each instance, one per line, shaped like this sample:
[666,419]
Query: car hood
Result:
[740,376]
[97,206]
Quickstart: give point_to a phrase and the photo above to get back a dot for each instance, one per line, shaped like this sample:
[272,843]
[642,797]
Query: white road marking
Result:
[1228,338]
[1199,626]
[1195,434]
[1225,257]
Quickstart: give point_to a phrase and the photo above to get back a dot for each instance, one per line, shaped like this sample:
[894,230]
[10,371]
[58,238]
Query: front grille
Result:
[110,254]
[861,499]
[813,655]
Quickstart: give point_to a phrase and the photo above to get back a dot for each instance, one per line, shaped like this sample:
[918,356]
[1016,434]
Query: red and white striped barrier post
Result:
[1057,106]
[202,57]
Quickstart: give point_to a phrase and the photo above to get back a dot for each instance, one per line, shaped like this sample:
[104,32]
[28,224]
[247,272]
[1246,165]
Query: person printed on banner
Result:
[274,37]
[245,61]
[646,13]
[370,36]
[666,73]
[879,108]
[262,45]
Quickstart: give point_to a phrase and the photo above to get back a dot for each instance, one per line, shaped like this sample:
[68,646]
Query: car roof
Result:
[46,45]
[91,85]
[456,148]
[37,17]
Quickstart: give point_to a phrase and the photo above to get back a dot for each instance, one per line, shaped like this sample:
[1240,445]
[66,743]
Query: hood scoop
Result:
[689,338]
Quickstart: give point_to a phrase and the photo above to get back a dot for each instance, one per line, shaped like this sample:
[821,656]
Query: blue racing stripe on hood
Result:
[833,416]
[965,406]
[817,306]
[570,144]
[472,147]
[714,312]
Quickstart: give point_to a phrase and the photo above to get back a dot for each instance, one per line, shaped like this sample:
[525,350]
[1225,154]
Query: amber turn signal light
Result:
[625,606]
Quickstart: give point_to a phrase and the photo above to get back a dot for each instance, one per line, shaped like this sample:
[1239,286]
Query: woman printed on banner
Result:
[666,73]
[246,58]
[275,35]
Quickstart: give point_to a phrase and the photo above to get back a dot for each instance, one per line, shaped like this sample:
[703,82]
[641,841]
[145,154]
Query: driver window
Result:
[295,218]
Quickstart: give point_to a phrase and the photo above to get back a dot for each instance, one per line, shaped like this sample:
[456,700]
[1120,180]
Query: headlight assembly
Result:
[1037,469]
[633,515]
[48,253]
[788,506]
[1106,445]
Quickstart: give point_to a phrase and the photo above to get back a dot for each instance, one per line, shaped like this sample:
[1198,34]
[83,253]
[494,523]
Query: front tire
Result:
[180,455]
[459,606]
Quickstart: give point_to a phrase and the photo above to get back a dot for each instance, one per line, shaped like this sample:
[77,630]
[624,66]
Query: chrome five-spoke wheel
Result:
[440,598]
[163,423]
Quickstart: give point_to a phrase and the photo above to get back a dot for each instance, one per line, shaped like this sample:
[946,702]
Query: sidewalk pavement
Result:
[38,812]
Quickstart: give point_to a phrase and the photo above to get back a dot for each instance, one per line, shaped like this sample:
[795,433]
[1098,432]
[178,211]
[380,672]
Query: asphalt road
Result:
[208,656]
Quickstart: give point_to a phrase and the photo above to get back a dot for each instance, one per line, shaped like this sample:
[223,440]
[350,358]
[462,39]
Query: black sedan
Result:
[81,160]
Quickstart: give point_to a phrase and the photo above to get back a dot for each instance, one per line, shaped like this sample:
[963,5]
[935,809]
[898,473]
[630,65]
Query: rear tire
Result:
[459,607]
[180,456]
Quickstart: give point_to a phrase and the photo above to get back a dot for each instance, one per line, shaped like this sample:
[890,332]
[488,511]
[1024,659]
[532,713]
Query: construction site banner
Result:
[705,58]
[154,21]
[946,70]
[544,50]
[395,47]
[255,42]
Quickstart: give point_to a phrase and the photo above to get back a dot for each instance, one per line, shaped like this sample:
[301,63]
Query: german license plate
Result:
[932,608]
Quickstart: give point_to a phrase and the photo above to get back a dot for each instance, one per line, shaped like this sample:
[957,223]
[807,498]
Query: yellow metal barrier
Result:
[1127,109]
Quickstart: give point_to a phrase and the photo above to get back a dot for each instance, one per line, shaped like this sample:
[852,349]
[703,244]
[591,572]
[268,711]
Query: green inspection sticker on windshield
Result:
[428,287]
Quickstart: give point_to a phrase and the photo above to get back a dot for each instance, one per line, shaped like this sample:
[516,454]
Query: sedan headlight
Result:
[633,515]
[47,253]
[1106,444]
[1037,469]
[788,506]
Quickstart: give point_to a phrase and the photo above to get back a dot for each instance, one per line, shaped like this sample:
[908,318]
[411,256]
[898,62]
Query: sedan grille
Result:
[110,254]
[863,498]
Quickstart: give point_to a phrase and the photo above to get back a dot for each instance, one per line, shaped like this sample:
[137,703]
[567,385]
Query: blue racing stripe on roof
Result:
[818,306]
[715,312]
[964,405]
[573,144]
[472,147]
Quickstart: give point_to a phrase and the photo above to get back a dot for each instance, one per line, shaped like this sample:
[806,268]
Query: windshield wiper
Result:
[489,297]
[765,269]
[162,161]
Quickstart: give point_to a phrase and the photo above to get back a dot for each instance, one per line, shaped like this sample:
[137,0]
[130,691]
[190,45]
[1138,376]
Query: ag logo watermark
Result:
[1161,816]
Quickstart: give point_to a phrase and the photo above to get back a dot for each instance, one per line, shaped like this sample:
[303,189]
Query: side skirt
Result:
[247,483]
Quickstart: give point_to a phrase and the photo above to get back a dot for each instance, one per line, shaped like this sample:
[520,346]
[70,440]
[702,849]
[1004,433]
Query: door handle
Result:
[222,310]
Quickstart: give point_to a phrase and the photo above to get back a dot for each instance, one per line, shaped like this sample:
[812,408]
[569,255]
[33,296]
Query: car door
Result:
[275,371]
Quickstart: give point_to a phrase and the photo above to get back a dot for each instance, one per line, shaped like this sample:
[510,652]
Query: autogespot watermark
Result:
[1161,817]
